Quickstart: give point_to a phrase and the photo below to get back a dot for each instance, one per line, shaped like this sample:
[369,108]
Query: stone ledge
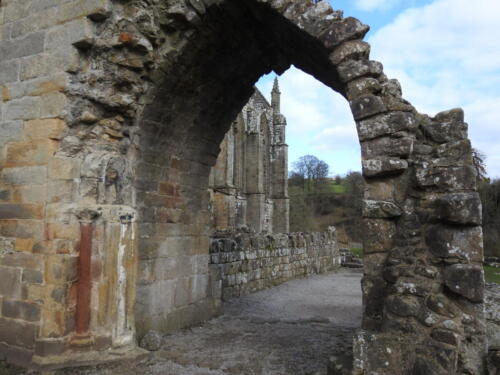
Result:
[73,359]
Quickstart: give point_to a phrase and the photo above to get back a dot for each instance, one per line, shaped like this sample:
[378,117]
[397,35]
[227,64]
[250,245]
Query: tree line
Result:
[318,201]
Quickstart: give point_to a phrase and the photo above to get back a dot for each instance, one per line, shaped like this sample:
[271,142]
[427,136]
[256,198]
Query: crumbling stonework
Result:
[249,182]
[111,118]
[250,262]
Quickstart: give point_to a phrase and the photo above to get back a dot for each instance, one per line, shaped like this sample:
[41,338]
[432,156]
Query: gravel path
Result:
[291,329]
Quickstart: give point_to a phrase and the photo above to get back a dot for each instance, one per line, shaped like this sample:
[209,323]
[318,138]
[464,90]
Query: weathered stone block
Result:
[60,230]
[446,178]
[455,115]
[380,209]
[452,242]
[351,50]
[374,291]
[22,260]
[385,124]
[455,153]
[15,355]
[31,153]
[63,60]
[18,333]
[442,132]
[10,282]
[9,71]
[30,45]
[460,208]
[24,244]
[381,166]
[378,235]
[27,311]
[62,191]
[363,86]
[466,280]
[50,347]
[366,106]
[151,341]
[403,306]
[182,292]
[45,85]
[20,211]
[36,21]
[341,31]
[424,366]
[387,146]
[22,109]
[94,9]
[442,306]
[32,276]
[52,104]
[34,66]
[30,194]
[352,69]
[10,131]
[69,33]
[64,168]
[46,128]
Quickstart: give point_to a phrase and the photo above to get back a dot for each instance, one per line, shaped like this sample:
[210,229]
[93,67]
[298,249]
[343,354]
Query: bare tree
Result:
[312,171]
[479,162]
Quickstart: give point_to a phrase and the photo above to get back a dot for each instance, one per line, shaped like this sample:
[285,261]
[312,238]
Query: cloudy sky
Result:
[445,53]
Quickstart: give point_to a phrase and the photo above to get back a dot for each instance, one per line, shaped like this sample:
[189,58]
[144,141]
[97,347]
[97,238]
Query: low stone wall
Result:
[249,262]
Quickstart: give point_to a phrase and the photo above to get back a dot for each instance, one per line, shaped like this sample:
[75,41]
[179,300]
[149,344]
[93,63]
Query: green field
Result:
[492,274]
[357,251]
[338,189]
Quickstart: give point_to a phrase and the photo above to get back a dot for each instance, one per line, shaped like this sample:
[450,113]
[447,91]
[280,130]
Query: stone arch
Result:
[157,85]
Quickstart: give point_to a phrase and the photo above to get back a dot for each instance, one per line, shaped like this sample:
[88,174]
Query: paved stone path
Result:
[291,329]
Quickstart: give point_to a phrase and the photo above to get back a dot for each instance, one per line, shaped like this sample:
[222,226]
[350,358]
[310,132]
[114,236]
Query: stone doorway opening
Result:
[191,109]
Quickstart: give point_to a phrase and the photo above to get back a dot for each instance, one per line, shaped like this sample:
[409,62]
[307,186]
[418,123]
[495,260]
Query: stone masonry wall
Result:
[250,262]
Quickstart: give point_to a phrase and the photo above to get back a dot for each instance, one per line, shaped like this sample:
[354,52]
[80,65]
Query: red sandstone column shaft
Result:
[82,315]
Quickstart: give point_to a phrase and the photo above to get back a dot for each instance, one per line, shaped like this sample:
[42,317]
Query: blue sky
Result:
[445,53]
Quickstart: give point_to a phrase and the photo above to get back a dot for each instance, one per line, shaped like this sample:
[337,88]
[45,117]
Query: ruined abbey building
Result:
[249,182]
[111,117]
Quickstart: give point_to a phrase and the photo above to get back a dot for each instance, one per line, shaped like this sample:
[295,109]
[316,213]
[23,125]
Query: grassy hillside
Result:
[334,202]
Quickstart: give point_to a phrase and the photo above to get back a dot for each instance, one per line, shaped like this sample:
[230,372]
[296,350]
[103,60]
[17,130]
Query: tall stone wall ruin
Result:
[249,182]
[111,118]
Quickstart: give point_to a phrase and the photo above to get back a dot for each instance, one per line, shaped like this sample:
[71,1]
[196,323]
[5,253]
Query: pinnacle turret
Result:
[276,96]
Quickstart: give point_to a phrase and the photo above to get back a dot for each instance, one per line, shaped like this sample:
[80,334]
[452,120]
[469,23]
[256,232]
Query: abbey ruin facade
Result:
[111,117]
[249,182]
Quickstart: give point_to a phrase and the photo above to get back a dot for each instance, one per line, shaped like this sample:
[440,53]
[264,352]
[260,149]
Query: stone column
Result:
[82,335]
[279,177]
[255,181]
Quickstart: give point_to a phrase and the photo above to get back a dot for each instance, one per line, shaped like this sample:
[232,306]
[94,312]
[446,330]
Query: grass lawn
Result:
[338,189]
[357,251]
[492,274]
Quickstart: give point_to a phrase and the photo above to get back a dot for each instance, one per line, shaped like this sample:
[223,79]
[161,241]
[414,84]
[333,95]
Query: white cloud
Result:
[371,5]
[445,54]
[319,121]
